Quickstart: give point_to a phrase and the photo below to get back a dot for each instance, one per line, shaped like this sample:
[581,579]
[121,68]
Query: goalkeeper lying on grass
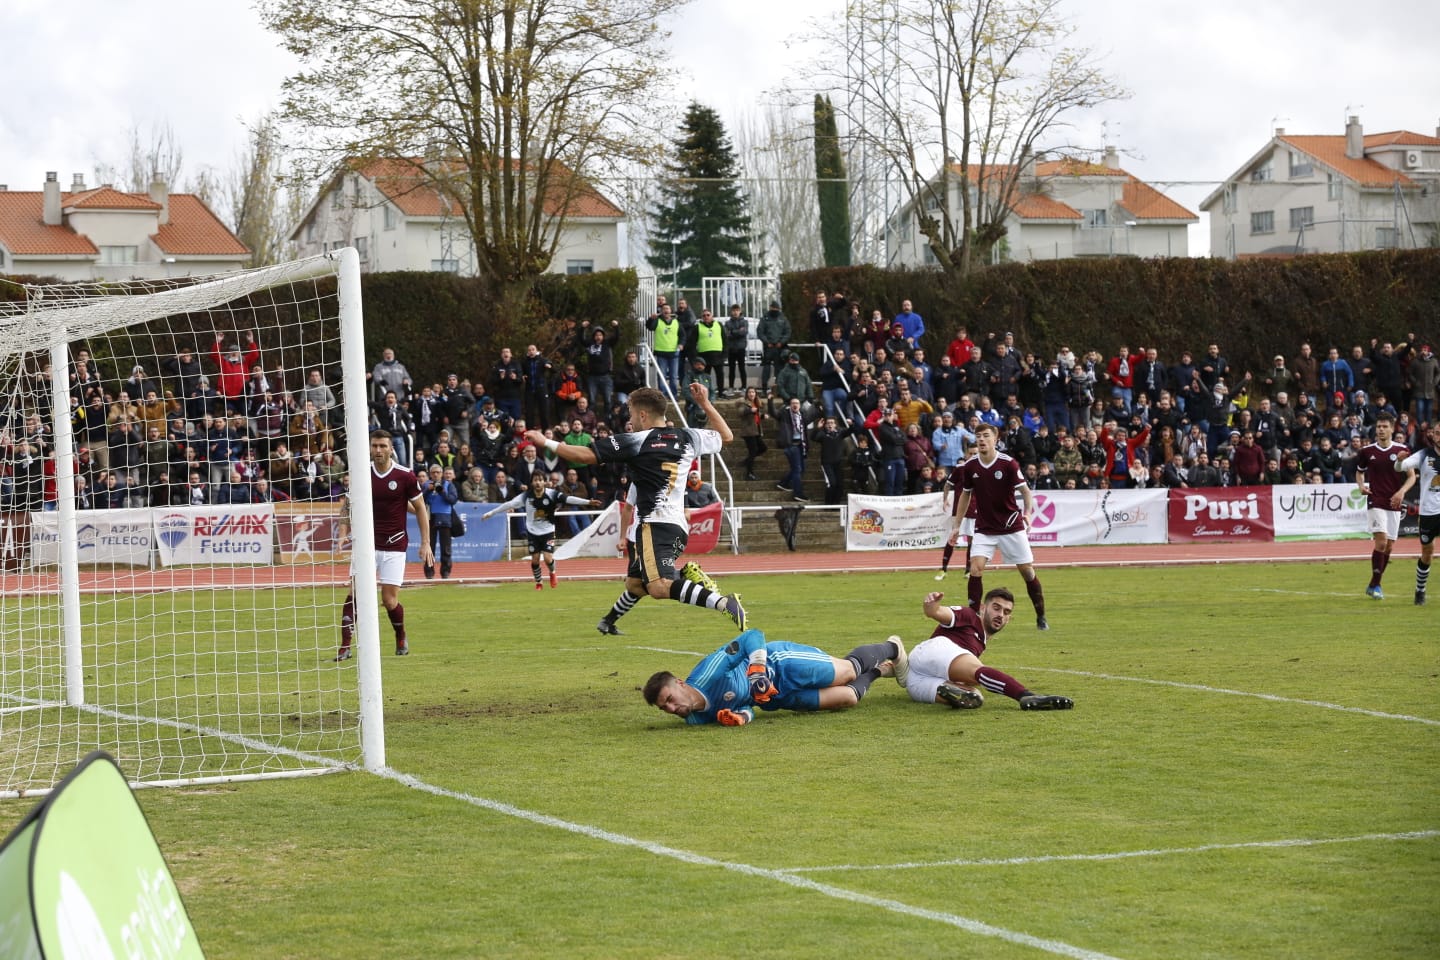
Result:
[778,675]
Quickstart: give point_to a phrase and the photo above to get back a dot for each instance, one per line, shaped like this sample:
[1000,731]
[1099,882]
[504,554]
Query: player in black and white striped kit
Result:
[1427,461]
[657,458]
[540,504]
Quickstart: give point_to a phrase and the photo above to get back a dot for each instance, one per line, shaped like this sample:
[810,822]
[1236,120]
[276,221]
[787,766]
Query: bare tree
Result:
[151,152]
[963,93]
[257,197]
[512,104]
[776,150]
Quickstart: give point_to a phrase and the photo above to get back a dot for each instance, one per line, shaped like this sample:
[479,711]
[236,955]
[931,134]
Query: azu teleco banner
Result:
[118,537]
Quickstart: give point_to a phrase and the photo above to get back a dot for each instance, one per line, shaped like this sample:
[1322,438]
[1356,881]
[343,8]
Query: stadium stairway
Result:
[815,530]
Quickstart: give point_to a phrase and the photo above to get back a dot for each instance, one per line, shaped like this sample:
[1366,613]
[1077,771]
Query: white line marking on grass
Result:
[780,876]
[682,653]
[1123,854]
[1305,593]
[1239,693]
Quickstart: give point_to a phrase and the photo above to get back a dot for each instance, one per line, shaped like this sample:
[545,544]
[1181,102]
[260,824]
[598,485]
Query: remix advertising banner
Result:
[109,537]
[1330,511]
[1201,514]
[601,539]
[1072,518]
[308,532]
[916,522]
[81,876]
[243,533]
[483,540]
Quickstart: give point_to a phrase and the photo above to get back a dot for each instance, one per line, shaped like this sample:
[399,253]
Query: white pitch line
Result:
[681,653]
[1121,854]
[780,876]
[1238,693]
[1304,593]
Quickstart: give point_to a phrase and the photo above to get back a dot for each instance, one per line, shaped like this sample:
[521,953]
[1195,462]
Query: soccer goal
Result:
[171,580]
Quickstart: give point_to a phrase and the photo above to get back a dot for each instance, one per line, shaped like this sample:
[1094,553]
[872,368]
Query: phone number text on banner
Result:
[916,522]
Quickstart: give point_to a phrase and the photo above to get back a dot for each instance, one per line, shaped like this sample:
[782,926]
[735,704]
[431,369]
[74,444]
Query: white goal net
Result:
[170,582]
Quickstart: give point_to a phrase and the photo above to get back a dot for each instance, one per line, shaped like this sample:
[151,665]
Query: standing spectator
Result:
[1120,375]
[820,318]
[1336,376]
[507,381]
[666,344]
[912,324]
[832,443]
[774,334]
[457,401]
[891,454]
[707,343]
[1124,454]
[1278,379]
[737,340]
[1248,460]
[1306,369]
[948,442]
[318,392]
[1361,367]
[233,364]
[474,489]
[959,348]
[1381,476]
[392,418]
[440,499]
[792,423]
[699,372]
[1424,379]
[629,377]
[1387,376]
[536,371]
[745,414]
[389,375]
[918,455]
[426,413]
[185,368]
[600,364]
[1213,367]
[793,382]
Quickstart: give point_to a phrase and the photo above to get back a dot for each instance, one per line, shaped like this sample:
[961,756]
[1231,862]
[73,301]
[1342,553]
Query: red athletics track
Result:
[722,563]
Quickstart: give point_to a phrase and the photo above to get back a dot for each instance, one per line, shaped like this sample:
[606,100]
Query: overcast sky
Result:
[1209,79]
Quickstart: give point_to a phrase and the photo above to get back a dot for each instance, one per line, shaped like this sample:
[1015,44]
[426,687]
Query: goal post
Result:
[170,582]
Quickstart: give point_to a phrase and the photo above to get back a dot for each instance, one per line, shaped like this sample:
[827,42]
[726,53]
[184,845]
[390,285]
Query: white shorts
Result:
[1385,521]
[967,526]
[1014,547]
[389,567]
[930,667]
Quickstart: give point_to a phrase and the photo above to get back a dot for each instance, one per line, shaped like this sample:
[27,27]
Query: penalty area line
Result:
[1122,854]
[1273,698]
[967,924]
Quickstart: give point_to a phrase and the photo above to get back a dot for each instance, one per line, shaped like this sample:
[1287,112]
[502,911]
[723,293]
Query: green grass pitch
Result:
[1252,769]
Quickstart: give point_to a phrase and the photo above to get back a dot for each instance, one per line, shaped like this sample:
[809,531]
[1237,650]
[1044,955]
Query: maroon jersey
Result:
[993,486]
[390,494]
[968,632]
[952,484]
[1380,473]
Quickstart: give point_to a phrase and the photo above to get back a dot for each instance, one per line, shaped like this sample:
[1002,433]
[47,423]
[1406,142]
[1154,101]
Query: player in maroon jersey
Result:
[964,527]
[394,492]
[990,479]
[1384,488]
[946,668]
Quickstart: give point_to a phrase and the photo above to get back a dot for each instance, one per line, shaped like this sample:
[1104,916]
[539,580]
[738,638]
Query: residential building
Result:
[1060,209]
[391,213]
[1329,194]
[102,233]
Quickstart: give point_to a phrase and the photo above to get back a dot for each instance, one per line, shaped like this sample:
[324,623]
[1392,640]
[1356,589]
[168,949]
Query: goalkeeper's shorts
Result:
[799,672]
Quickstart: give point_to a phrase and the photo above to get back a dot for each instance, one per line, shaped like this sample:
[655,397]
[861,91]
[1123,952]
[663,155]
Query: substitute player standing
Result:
[1427,461]
[657,458]
[1385,493]
[394,491]
[991,479]
[540,503]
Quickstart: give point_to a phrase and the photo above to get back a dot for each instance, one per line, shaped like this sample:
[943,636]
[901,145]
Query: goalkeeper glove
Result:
[733,718]
[761,689]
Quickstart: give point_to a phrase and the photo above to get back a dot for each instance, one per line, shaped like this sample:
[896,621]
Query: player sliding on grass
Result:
[540,503]
[658,458]
[393,491]
[778,675]
[946,668]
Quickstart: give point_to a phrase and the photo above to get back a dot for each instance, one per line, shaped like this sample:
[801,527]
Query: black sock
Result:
[861,683]
[868,656]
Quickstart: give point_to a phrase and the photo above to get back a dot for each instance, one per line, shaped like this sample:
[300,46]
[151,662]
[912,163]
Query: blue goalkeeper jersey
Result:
[721,677]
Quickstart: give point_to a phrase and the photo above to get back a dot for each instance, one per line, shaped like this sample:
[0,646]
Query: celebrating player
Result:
[656,457]
[540,502]
[634,590]
[1427,461]
[992,479]
[946,668]
[393,491]
[778,675]
[1385,493]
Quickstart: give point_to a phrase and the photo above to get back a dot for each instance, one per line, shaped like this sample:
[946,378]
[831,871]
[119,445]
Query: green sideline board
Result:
[81,876]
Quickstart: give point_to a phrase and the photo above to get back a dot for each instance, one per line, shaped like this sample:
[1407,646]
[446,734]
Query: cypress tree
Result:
[703,211]
[831,186]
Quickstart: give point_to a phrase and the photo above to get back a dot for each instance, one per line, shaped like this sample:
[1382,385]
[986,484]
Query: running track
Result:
[720,563]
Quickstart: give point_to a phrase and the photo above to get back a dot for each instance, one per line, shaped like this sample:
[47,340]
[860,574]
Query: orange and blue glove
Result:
[761,689]
[732,718]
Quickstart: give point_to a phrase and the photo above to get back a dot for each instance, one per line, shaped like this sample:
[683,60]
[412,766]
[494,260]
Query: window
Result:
[362,247]
[1262,174]
[389,217]
[1333,187]
[310,232]
[1262,221]
[1229,198]
[574,267]
[928,252]
[337,197]
[445,266]
[1301,217]
[1385,238]
[114,255]
[1300,165]
[1094,218]
[359,192]
[932,201]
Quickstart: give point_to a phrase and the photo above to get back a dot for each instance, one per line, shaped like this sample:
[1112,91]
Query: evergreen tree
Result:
[831,186]
[702,212]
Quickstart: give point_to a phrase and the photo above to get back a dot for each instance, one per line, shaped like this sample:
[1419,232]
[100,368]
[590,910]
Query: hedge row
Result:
[1251,308]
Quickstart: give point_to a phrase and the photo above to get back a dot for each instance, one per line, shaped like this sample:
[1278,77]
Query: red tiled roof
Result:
[1146,203]
[403,184]
[107,198]
[195,231]
[1037,206]
[24,232]
[1071,167]
[1401,138]
[1143,201]
[1330,150]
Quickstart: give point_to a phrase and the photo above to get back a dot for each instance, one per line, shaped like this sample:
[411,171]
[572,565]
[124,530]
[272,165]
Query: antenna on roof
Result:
[1274,121]
[1350,109]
